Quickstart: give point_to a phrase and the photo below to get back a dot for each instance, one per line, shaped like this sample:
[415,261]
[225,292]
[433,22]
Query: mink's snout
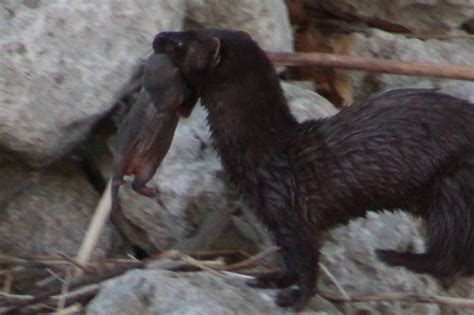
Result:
[160,41]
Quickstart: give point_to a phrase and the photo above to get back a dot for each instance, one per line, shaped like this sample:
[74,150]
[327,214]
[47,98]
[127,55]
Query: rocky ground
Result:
[63,70]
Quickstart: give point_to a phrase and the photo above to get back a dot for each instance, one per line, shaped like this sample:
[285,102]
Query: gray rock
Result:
[349,255]
[380,44]
[48,211]
[198,205]
[266,21]
[62,63]
[161,292]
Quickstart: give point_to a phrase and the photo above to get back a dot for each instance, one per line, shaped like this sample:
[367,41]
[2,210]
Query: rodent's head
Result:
[194,53]
[166,85]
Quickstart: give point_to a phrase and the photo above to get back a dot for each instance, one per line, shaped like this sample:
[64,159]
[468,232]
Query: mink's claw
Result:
[273,281]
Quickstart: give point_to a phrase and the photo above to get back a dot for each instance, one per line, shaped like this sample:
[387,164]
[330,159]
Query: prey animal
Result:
[411,149]
[146,133]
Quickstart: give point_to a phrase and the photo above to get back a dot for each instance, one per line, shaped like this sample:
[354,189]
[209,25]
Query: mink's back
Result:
[382,153]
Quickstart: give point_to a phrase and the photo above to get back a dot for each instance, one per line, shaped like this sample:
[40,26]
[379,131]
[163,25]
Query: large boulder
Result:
[380,44]
[47,211]
[267,21]
[149,292]
[62,64]
[426,17]
[349,255]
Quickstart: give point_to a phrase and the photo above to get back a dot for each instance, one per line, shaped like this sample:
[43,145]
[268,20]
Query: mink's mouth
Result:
[185,110]
[166,43]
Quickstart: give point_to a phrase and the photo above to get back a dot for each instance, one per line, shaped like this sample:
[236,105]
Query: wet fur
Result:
[410,149]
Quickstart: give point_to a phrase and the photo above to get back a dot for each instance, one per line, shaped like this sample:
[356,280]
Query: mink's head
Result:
[196,55]
[199,53]
[218,64]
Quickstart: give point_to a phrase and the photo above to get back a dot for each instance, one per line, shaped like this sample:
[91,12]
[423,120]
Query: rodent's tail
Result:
[116,181]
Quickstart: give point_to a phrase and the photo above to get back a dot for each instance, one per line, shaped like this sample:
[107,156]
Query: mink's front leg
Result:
[300,254]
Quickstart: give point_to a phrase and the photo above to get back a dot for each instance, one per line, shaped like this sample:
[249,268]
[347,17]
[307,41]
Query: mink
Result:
[410,149]
[146,133]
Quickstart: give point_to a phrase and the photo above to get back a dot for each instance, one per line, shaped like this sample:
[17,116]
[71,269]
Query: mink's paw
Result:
[297,299]
[273,281]
[287,297]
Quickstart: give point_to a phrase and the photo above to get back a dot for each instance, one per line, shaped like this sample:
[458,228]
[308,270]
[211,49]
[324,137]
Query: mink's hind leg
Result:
[450,243]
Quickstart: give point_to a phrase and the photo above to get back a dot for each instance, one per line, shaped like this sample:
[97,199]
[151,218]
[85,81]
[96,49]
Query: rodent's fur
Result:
[411,149]
[146,133]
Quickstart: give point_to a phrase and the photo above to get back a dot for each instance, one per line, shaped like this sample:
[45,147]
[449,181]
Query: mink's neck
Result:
[249,120]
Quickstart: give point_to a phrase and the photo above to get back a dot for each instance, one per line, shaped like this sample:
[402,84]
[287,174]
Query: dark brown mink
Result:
[146,133]
[411,149]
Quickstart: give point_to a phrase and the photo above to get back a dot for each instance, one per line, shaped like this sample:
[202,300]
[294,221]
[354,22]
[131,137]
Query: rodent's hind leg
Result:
[145,190]
[139,185]
[142,177]
[118,180]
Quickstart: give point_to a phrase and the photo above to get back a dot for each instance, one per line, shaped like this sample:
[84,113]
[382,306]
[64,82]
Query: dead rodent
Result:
[146,133]
[411,149]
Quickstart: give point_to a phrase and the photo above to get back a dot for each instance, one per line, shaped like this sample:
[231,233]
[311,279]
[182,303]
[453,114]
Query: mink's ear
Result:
[216,57]
[245,35]
[208,54]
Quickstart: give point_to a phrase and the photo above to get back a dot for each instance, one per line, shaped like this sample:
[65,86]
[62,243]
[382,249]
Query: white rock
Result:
[430,17]
[63,61]
[266,21]
[380,44]
[47,211]
[349,254]
[149,292]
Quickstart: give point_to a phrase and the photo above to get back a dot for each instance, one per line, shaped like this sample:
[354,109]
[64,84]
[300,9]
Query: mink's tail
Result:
[450,244]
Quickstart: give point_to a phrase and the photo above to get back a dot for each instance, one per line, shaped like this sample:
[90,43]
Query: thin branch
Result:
[402,297]
[251,260]
[64,290]
[334,280]
[96,226]
[19,297]
[200,265]
[439,36]
[7,283]
[73,309]
[458,72]
[75,262]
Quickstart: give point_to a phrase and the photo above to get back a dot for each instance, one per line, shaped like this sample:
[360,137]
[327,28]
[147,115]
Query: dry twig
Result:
[402,297]
[458,72]
[64,290]
[252,260]
[96,226]
[334,280]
